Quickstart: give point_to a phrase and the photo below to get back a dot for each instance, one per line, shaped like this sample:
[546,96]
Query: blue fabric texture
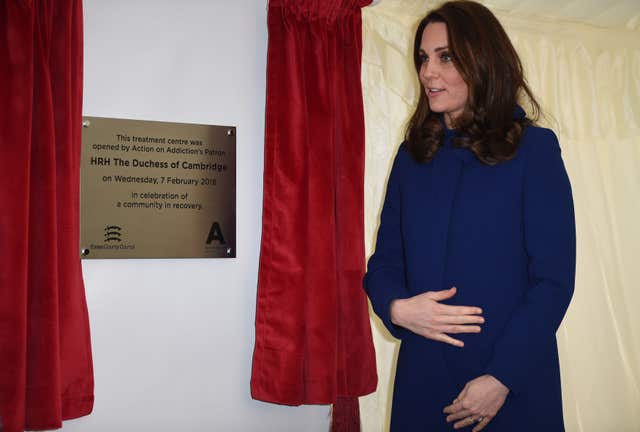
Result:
[504,235]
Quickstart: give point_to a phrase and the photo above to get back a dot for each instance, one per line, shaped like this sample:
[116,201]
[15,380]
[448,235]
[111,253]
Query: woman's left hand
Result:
[478,402]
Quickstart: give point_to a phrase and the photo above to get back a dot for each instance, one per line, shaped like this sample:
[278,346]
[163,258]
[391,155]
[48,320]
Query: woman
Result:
[475,257]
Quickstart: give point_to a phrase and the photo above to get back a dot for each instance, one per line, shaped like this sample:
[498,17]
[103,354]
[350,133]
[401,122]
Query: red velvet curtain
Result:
[313,338]
[46,372]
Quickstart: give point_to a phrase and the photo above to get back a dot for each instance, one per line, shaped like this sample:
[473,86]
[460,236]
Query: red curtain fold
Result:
[313,338]
[46,372]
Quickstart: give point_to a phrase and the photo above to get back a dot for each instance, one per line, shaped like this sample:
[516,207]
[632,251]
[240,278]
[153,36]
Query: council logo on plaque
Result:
[112,233]
[113,238]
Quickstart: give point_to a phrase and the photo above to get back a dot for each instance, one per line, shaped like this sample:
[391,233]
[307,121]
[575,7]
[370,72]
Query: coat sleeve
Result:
[549,238]
[385,278]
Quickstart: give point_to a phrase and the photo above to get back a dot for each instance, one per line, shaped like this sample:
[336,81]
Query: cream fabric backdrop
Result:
[588,81]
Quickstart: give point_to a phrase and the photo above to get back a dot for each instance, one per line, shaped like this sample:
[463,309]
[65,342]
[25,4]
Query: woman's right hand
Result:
[425,315]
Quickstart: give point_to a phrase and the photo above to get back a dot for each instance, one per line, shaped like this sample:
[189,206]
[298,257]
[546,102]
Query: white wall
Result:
[173,339]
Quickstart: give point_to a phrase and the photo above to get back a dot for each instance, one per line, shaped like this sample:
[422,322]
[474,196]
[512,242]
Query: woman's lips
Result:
[434,91]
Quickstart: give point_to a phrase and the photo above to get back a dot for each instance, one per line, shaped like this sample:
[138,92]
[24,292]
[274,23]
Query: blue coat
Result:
[504,235]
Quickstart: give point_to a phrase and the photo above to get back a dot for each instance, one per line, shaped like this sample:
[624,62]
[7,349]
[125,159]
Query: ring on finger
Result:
[479,419]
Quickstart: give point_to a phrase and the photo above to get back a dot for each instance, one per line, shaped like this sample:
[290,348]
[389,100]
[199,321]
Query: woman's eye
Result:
[446,57]
[423,58]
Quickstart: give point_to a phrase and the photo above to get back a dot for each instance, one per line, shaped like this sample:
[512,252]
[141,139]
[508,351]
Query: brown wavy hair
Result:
[489,65]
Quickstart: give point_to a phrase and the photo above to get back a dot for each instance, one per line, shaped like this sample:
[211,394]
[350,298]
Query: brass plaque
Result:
[157,190]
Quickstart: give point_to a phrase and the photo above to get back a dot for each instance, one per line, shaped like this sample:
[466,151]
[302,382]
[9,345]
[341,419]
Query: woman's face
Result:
[445,89]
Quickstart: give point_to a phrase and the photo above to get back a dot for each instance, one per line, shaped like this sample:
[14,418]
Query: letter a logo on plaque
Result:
[215,233]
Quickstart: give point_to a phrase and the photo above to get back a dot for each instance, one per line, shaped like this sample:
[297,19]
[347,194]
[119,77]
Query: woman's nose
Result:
[428,70]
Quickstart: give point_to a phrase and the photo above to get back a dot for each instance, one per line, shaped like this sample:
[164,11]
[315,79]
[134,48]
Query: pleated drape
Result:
[588,81]
[313,339]
[46,372]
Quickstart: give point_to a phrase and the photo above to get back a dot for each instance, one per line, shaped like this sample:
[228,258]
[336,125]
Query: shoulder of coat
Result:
[537,138]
